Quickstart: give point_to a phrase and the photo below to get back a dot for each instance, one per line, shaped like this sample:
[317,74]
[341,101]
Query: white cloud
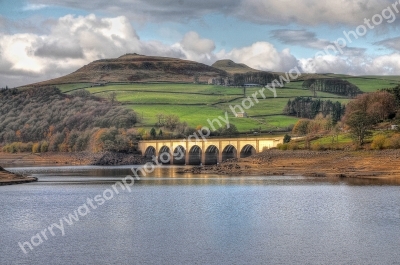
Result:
[262,56]
[192,42]
[358,65]
[71,43]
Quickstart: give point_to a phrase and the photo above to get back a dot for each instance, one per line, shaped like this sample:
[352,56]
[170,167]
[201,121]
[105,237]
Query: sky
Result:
[44,39]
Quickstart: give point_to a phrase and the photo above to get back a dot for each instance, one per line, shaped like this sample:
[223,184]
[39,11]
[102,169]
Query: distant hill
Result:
[233,68]
[139,68]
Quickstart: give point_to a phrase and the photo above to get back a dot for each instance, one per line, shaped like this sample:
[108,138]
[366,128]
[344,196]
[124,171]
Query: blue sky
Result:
[42,39]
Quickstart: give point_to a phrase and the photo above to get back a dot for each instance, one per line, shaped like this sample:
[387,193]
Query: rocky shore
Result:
[351,164]
[8,178]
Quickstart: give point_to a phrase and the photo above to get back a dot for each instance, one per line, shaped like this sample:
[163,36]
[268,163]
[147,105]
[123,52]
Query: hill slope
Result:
[233,68]
[139,68]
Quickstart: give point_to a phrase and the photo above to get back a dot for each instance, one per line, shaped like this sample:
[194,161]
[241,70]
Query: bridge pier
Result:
[187,158]
[203,159]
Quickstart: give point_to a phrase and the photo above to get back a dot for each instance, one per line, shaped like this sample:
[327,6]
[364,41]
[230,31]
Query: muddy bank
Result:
[9,178]
[351,164]
[78,158]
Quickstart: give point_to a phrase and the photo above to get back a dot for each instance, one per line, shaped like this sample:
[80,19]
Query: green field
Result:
[369,84]
[196,104]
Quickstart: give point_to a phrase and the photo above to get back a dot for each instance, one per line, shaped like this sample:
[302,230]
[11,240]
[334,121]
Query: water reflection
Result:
[168,175]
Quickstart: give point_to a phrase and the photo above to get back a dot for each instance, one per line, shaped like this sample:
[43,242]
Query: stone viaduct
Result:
[206,152]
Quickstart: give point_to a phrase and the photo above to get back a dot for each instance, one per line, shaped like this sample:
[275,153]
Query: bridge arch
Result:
[179,155]
[247,150]
[195,154]
[164,155]
[150,152]
[211,155]
[229,152]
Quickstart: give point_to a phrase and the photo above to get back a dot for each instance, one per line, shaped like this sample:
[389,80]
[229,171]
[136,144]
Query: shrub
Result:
[379,142]
[395,141]
[282,146]
[293,146]
[316,146]
[44,147]
[36,148]
[287,138]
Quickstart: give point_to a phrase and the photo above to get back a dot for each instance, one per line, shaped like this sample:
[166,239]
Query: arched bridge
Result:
[207,151]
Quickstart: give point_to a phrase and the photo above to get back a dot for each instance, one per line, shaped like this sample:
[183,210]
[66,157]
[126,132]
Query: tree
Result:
[160,133]
[359,123]
[301,127]
[231,131]
[112,97]
[171,122]
[379,105]
[153,133]
[287,138]
[161,119]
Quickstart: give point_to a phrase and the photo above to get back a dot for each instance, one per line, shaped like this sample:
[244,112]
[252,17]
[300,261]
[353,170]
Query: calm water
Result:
[182,219]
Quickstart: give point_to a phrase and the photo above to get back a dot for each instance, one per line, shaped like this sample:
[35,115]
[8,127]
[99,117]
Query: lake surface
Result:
[169,218]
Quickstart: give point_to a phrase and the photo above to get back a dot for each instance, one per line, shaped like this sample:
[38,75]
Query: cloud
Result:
[192,42]
[154,10]
[309,39]
[60,49]
[33,7]
[71,43]
[363,65]
[284,12]
[392,43]
[262,56]
[311,12]
[300,37]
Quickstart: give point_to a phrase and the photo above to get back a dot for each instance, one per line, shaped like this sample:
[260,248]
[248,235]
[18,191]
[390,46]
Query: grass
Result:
[193,115]
[162,98]
[167,88]
[372,84]
[195,104]
[342,139]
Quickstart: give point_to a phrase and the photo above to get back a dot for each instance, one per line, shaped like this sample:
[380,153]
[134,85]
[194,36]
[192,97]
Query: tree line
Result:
[332,85]
[261,78]
[306,107]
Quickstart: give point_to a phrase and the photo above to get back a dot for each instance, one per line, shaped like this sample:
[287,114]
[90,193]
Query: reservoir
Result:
[171,218]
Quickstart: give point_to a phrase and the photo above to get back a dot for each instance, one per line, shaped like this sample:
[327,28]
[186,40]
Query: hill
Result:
[231,67]
[139,68]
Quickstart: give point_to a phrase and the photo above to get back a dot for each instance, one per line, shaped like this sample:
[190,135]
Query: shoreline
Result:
[365,164]
[9,178]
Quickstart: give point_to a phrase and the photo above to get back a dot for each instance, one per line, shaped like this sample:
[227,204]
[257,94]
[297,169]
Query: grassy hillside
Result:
[195,103]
